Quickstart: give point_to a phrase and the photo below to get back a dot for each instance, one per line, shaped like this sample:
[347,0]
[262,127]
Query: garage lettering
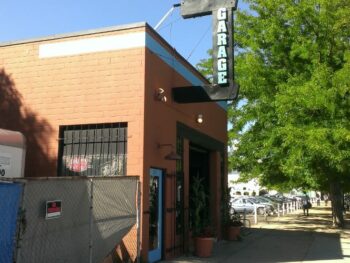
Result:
[222,42]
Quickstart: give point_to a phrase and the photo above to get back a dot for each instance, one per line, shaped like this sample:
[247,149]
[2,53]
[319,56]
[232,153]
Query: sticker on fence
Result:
[53,209]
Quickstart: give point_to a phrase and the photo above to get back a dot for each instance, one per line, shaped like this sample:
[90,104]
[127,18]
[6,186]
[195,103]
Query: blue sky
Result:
[23,19]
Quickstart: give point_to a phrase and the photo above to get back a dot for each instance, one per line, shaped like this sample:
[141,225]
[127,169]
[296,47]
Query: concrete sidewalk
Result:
[291,238]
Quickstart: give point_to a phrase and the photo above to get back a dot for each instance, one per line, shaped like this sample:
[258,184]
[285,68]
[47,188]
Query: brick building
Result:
[99,103]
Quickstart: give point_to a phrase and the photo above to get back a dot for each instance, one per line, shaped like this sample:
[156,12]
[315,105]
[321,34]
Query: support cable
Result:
[166,16]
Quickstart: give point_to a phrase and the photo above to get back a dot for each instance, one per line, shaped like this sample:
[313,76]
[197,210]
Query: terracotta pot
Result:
[233,232]
[203,246]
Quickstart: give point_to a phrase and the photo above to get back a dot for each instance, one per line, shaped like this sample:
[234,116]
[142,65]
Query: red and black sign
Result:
[53,209]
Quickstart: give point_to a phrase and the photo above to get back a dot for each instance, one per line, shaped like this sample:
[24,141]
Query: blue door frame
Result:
[156,253]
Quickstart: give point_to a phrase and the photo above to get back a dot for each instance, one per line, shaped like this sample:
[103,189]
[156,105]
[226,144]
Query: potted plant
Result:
[232,220]
[203,234]
[234,228]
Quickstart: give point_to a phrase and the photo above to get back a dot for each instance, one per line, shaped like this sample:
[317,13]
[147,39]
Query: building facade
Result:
[99,103]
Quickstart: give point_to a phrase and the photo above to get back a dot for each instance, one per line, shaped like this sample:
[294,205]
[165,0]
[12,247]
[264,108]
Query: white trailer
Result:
[12,153]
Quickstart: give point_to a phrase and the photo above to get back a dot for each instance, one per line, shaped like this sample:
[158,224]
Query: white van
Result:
[12,153]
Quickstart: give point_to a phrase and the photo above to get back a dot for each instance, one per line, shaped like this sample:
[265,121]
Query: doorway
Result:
[156,215]
[199,166]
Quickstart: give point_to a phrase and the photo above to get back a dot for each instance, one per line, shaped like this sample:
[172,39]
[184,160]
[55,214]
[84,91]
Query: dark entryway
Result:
[199,167]
[201,158]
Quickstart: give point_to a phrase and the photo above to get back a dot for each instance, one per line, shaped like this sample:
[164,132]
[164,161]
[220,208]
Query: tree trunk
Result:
[337,204]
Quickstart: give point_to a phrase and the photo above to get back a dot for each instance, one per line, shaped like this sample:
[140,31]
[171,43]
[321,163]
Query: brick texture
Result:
[43,93]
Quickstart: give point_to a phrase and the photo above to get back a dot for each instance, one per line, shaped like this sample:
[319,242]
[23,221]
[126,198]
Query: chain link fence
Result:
[264,215]
[73,219]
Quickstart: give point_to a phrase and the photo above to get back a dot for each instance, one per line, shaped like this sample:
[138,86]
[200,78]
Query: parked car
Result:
[268,200]
[270,206]
[274,198]
[244,204]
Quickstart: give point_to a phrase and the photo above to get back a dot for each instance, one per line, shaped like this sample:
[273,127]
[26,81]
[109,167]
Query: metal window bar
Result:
[93,150]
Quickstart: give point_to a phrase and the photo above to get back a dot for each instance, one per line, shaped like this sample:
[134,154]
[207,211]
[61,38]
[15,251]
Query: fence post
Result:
[278,209]
[255,214]
[283,209]
[91,220]
[138,219]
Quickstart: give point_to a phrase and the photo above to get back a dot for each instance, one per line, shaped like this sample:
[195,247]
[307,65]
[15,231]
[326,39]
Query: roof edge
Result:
[75,34]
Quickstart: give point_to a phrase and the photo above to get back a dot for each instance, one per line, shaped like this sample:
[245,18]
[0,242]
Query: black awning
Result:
[207,93]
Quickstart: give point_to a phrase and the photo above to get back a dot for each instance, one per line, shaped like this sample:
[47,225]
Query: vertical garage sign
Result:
[223,86]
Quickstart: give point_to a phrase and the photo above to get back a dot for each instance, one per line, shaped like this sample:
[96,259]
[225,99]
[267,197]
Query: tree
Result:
[291,120]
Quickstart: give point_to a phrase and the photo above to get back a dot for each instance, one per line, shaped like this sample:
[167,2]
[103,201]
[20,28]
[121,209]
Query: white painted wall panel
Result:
[90,45]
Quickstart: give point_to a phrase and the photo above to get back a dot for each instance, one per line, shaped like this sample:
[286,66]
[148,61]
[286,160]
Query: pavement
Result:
[289,238]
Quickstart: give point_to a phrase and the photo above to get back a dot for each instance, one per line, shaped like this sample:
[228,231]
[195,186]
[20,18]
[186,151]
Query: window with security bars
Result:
[93,150]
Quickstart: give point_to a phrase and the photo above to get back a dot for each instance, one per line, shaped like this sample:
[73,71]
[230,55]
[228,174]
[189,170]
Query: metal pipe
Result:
[166,16]
[90,221]
[255,215]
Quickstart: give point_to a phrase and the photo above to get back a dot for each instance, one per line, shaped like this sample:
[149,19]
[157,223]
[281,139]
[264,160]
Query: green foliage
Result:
[205,67]
[200,213]
[291,120]
[291,123]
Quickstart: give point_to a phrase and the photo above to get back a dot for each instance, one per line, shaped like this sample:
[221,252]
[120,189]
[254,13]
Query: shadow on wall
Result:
[14,115]
[121,254]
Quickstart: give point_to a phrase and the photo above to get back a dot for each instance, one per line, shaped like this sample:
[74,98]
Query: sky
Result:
[23,19]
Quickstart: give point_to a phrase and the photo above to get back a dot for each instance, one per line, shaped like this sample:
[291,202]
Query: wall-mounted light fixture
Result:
[172,155]
[199,118]
[160,95]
